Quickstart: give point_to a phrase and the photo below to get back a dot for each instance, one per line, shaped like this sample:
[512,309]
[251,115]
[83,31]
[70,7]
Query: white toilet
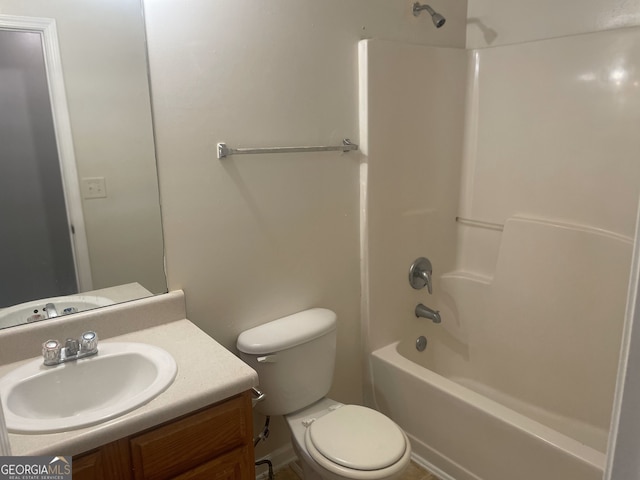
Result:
[294,357]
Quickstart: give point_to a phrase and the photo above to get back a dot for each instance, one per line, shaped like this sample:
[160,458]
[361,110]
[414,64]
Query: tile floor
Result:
[414,472]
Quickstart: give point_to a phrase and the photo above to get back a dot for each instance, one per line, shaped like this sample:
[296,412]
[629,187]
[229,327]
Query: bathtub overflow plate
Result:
[421,343]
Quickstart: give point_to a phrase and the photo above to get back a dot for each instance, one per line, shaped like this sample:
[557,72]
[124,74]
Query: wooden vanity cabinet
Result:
[213,443]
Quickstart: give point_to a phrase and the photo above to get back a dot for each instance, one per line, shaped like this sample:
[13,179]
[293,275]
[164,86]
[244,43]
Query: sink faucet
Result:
[426,312]
[85,346]
[51,310]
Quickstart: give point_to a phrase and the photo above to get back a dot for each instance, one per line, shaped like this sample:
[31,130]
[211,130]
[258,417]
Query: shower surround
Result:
[512,168]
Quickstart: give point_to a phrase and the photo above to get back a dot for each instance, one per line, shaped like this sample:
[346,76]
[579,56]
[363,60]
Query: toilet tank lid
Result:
[287,332]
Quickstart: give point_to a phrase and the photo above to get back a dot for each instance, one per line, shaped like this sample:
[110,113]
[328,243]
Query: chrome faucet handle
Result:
[426,276]
[51,350]
[89,342]
[420,274]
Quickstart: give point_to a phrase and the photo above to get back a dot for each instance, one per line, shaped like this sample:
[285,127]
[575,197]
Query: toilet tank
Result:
[294,357]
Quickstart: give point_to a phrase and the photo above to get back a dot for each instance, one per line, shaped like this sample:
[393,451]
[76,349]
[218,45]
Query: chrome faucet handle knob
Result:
[420,274]
[89,342]
[426,275]
[51,352]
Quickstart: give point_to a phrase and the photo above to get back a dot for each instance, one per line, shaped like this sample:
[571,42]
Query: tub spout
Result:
[426,312]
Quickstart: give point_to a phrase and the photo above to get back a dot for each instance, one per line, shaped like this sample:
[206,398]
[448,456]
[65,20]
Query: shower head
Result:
[437,19]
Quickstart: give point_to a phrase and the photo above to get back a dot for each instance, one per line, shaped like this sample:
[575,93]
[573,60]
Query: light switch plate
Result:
[94,187]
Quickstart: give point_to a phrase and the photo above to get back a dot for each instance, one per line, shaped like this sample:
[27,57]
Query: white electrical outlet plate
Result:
[93,187]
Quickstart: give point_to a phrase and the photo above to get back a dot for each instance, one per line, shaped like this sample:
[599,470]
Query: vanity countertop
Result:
[207,373]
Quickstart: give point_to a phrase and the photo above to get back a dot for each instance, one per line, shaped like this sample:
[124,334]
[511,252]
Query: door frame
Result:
[46,27]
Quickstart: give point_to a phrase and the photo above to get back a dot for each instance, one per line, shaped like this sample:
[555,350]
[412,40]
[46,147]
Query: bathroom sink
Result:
[120,378]
[36,310]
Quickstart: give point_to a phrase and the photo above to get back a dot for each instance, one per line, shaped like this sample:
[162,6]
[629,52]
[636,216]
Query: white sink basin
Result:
[120,378]
[18,314]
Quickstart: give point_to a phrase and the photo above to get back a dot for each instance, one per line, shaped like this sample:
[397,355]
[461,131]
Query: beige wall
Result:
[253,238]
[103,58]
[499,22]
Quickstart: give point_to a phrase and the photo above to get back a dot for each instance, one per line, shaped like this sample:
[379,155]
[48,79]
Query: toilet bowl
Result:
[336,442]
[295,357]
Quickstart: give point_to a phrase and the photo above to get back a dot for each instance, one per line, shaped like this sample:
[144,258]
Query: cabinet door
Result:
[109,462]
[186,444]
[235,465]
[88,467]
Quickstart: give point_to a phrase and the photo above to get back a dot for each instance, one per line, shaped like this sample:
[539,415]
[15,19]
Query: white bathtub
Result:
[469,436]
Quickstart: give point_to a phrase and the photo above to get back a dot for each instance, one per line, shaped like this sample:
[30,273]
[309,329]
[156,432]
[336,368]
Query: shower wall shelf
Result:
[224,150]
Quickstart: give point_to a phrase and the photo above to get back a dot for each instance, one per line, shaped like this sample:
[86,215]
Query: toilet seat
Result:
[357,442]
